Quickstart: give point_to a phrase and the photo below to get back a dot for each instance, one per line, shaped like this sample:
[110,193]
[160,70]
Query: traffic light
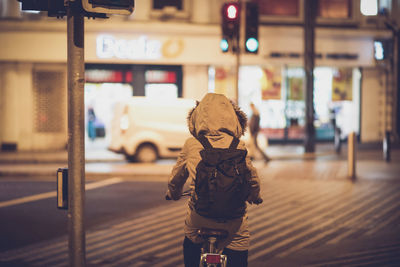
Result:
[89,8]
[251,43]
[224,45]
[55,8]
[39,5]
[123,7]
[230,25]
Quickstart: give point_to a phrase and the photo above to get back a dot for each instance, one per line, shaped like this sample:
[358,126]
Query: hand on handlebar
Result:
[168,195]
[186,193]
[257,201]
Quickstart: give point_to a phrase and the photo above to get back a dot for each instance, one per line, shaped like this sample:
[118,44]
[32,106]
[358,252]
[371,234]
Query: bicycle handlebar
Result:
[258,201]
[188,193]
[184,194]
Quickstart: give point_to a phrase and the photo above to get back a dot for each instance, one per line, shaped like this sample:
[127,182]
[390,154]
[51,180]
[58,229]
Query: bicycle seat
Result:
[217,233]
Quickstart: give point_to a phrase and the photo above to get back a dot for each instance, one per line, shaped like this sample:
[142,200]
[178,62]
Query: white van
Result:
[145,129]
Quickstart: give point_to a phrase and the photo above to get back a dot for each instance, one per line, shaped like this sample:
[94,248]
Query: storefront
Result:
[278,92]
[182,60]
[344,65]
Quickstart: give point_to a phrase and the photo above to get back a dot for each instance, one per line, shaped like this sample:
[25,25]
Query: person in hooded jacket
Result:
[220,120]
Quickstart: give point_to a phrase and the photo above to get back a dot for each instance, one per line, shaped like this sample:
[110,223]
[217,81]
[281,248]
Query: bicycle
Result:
[209,257]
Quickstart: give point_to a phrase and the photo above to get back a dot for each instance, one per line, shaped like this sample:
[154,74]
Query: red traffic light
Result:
[231,11]
[230,23]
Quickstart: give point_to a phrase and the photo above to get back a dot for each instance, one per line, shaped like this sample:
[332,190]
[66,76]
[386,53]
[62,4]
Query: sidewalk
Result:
[101,162]
[98,155]
[276,152]
[25,157]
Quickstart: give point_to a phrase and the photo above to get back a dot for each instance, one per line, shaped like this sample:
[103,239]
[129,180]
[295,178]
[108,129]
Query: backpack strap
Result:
[235,142]
[206,144]
[204,141]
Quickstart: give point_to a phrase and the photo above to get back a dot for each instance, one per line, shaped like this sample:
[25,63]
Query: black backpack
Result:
[222,181]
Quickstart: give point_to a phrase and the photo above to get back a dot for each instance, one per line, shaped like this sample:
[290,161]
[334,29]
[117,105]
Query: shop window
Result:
[338,12]
[334,9]
[279,7]
[292,11]
[280,95]
[369,7]
[160,76]
[280,11]
[48,101]
[108,76]
[161,84]
[374,7]
[100,105]
[222,80]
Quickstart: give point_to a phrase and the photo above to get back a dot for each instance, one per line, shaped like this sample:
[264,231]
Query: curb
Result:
[54,161]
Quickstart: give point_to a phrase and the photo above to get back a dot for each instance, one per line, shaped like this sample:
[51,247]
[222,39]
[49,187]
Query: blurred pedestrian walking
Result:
[254,126]
[91,124]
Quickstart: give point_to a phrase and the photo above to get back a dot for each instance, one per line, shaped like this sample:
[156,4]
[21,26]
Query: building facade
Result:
[171,49]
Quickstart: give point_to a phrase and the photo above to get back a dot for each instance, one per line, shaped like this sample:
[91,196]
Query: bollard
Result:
[351,155]
[337,141]
[386,146]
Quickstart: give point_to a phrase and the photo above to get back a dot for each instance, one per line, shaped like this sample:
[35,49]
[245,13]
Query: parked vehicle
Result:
[146,129]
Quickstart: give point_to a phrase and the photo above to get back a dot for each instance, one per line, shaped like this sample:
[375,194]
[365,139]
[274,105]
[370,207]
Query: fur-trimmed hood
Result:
[216,113]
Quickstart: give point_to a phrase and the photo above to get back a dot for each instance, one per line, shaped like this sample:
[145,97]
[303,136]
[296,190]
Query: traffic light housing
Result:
[89,8]
[251,42]
[55,8]
[230,13]
[123,7]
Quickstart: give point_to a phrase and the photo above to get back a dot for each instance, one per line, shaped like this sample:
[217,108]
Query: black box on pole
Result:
[62,188]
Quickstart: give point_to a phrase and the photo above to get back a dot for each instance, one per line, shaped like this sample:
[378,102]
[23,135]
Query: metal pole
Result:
[387,146]
[396,111]
[309,25]
[351,155]
[237,69]
[388,107]
[239,48]
[76,142]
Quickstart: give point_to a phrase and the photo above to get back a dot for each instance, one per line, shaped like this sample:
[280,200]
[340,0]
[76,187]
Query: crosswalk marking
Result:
[302,224]
[368,257]
[327,232]
[295,214]
[385,223]
[357,219]
[41,196]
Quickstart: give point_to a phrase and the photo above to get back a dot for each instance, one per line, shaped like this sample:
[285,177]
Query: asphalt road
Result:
[38,220]
[312,215]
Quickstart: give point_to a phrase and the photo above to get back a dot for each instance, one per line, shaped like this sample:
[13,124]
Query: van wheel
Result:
[146,153]
[130,158]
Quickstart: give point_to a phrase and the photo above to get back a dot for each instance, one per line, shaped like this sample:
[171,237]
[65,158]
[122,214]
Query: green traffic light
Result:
[252,45]
[224,45]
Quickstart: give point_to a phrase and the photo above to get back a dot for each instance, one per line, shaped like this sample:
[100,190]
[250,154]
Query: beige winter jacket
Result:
[220,120]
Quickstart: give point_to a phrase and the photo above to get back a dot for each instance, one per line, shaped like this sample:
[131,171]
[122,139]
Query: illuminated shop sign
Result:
[108,76]
[337,56]
[141,48]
